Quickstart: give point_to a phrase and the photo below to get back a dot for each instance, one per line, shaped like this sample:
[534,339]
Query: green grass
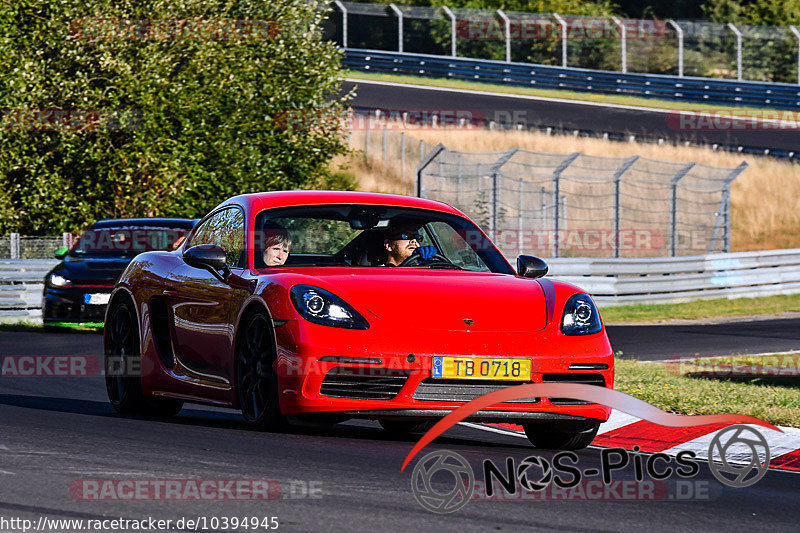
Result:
[702,309]
[567,95]
[776,401]
[25,325]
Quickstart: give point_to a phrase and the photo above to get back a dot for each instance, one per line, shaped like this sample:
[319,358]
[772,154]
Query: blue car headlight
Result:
[325,308]
[580,316]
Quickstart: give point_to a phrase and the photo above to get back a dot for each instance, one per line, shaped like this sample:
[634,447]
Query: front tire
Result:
[122,359]
[561,435]
[256,379]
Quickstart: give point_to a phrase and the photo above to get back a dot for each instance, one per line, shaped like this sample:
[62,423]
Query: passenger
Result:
[277,243]
[402,242]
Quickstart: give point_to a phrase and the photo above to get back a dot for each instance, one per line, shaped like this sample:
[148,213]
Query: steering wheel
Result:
[415,260]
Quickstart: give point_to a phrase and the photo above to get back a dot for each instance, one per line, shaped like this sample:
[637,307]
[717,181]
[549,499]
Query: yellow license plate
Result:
[481,368]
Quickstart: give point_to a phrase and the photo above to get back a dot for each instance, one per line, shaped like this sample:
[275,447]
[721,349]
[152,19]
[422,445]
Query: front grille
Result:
[587,379]
[364,383]
[453,390]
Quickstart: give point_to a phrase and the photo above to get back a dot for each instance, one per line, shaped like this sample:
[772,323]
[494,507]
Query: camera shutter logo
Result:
[462,481]
[722,449]
[525,467]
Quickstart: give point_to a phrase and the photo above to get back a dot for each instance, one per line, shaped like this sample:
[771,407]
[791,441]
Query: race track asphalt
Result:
[55,432]
[559,114]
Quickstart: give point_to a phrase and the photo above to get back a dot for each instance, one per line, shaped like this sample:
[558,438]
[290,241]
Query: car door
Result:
[204,308]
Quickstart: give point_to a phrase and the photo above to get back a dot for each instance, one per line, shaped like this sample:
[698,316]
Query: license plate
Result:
[96,299]
[481,368]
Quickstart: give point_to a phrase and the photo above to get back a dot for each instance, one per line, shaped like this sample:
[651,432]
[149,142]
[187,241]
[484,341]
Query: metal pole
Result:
[738,34]
[519,217]
[452,16]
[679,31]
[564,31]
[494,171]
[673,209]
[623,42]
[15,254]
[507,23]
[421,150]
[556,195]
[366,137]
[399,26]
[418,189]
[797,34]
[458,183]
[384,145]
[402,156]
[727,197]
[344,22]
[617,207]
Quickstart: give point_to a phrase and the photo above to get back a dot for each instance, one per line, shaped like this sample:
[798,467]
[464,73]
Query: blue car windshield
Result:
[127,241]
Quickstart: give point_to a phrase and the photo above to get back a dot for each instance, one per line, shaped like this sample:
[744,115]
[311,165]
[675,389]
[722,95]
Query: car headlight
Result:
[580,316]
[57,280]
[323,307]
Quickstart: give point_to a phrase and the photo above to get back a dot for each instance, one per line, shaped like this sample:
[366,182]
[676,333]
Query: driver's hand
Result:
[426,252]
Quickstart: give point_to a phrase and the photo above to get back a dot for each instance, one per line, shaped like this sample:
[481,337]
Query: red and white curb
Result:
[626,431]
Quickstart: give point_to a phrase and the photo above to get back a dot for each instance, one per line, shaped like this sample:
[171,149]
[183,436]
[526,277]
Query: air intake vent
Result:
[586,379]
[364,383]
[453,390]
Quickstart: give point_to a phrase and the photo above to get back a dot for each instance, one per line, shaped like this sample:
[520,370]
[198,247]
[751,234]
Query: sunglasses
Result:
[407,237]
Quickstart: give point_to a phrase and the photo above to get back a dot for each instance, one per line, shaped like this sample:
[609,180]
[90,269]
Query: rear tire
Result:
[256,379]
[561,435]
[121,339]
[406,427]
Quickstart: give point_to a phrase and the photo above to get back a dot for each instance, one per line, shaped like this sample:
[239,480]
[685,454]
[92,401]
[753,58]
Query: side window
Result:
[225,229]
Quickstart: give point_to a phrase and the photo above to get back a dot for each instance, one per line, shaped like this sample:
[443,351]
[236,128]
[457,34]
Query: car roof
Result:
[268,200]
[187,223]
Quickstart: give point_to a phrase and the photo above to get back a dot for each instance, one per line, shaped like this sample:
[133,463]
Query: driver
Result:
[402,242]
[277,242]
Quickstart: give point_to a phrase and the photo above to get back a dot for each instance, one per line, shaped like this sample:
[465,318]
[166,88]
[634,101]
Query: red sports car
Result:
[338,305]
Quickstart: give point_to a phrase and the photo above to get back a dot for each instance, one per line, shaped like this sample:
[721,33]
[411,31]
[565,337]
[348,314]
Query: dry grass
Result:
[765,199]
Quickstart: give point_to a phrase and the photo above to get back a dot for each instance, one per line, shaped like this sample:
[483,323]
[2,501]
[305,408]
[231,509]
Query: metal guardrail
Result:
[21,285]
[663,87]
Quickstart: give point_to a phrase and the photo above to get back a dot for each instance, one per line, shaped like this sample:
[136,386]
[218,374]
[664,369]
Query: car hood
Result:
[93,269]
[443,300]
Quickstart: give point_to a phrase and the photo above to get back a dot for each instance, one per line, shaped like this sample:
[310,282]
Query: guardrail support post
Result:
[344,21]
[679,31]
[617,207]
[507,31]
[796,33]
[452,16]
[623,43]
[494,172]
[673,208]
[427,160]
[15,246]
[399,27]
[564,30]
[738,34]
[557,196]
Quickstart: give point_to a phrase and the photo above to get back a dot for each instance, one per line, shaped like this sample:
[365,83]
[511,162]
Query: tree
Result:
[160,107]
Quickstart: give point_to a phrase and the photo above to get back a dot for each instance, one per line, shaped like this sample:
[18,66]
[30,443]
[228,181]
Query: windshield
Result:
[361,235]
[127,240]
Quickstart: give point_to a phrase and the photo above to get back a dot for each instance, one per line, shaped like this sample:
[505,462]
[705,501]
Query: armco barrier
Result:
[685,89]
[609,281]
[21,284]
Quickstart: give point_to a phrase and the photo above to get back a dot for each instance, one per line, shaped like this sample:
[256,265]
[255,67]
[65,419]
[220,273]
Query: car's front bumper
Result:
[68,306]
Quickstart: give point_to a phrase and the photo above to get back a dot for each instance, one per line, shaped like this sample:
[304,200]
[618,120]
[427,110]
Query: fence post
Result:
[617,179]
[727,208]
[796,33]
[402,155]
[384,144]
[452,16]
[564,30]
[66,240]
[738,34]
[344,22]
[366,136]
[494,171]
[557,194]
[679,31]
[507,24]
[438,149]
[519,216]
[623,43]
[421,150]
[15,246]
[673,208]
[399,27]
[458,183]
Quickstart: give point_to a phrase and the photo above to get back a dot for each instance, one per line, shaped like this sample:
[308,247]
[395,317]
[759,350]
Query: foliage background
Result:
[204,118]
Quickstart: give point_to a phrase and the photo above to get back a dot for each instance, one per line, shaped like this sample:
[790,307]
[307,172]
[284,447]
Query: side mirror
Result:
[210,257]
[529,266]
[61,253]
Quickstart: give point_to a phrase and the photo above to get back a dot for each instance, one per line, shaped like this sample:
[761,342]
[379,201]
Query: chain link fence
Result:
[680,47]
[577,205]
[16,246]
